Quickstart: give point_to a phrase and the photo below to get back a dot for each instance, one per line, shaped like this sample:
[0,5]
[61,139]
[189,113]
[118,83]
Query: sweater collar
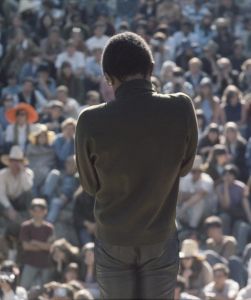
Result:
[133,89]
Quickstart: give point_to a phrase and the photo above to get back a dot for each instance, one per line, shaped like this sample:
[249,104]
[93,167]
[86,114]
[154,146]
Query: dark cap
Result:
[39,202]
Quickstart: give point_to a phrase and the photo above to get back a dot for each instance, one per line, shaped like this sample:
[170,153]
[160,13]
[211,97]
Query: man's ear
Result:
[109,79]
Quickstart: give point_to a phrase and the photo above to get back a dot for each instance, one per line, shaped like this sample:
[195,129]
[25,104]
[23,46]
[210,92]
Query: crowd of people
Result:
[50,53]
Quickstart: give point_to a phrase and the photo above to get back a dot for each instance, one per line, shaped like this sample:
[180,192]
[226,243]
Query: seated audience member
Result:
[245,293]
[63,253]
[74,84]
[45,83]
[32,96]
[83,216]
[195,193]
[64,142]
[54,116]
[234,109]
[83,295]
[70,105]
[223,246]
[236,146]
[62,292]
[216,161]
[93,71]
[194,268]
[179,292]
[234,206]
[178,84]
[36,236]
[8,102]
[194,75]
[92,98]
[41,155]
[209,103]
[88,269]
[210,138]
[221,287]
[74,57]
[10,280]
[16,183]
[21,117]
[201,123]
[72,273]
[61,188]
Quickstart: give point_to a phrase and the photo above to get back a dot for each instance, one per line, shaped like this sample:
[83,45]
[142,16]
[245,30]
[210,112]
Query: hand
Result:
[90,226]
[11,214]
[187,273]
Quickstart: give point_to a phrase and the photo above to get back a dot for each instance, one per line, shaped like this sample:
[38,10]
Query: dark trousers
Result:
[142,272]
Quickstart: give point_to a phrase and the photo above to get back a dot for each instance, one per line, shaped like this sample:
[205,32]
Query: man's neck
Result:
[117,83]
[38,223]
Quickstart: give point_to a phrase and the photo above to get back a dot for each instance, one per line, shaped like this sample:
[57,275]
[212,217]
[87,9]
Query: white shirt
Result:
[230,289]
[205,183]
[96,42]
[77,60]
[12,186]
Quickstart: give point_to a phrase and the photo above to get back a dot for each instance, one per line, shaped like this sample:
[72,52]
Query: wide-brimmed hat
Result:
[41,128]
[11,114]
[190,249]
[15,153]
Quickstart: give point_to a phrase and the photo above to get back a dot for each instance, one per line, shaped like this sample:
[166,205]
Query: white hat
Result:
[198,162]
[190,249]
[15,153]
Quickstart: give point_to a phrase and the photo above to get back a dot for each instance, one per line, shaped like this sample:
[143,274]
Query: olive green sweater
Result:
[130,155]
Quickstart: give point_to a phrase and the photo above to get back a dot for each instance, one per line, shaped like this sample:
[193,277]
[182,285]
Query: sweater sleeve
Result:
[85,157]
[192,138]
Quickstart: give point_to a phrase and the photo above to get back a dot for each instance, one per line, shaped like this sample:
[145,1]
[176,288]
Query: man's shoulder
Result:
[91,111]
[178,97]
[27,223]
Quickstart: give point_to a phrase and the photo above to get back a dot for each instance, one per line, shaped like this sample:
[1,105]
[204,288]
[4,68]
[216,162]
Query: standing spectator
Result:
[8,102]
[36,236]
[64,142]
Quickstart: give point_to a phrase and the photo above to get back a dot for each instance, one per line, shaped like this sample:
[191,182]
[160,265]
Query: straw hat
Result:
[15,153]
[190,249]
[31,113]
[41,128]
